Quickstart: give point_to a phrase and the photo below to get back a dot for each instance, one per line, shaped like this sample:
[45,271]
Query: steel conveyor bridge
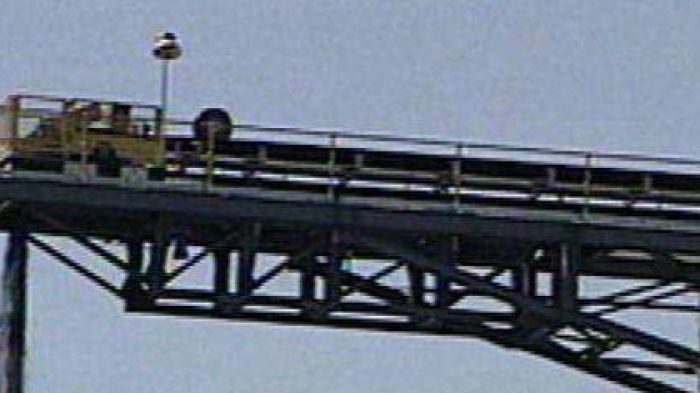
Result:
[498,243]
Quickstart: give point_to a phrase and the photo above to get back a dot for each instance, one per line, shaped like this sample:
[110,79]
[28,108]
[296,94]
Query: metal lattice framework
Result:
[512,283]
[417,236]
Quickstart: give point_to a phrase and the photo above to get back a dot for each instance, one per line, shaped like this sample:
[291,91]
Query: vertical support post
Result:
[335,260]
[14,313]
[134,293]
[416,278]
[525,275]
[442,290]
[222,271]
[246,260]
[307,288]
[158,254]
[308,280]
[524,279]
[565,284]
[222,276]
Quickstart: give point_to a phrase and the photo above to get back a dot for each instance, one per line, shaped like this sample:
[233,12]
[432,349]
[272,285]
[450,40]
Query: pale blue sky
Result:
[620,75]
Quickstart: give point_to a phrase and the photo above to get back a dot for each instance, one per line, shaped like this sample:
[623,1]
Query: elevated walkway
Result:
[393,234]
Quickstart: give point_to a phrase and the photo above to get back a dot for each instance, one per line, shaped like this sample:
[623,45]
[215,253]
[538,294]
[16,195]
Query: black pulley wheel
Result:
[215,120]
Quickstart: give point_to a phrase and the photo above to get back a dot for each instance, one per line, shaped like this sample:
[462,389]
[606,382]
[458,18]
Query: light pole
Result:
[165,48]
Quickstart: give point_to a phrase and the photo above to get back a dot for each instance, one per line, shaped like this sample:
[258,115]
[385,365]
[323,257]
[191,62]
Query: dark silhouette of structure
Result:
[393,234]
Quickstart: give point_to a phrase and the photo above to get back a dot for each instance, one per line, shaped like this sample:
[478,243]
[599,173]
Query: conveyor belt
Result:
[340,173]
[413,176]
[407,163]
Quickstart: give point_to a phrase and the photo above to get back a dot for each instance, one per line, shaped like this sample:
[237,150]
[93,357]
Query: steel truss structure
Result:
[368,232]
[513,282]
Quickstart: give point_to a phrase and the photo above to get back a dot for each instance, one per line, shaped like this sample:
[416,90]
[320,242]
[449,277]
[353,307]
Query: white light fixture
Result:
[165,48]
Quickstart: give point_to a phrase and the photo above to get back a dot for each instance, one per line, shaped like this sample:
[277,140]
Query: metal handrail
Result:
[332,177]
[464,146]
[55,98]
[417,141]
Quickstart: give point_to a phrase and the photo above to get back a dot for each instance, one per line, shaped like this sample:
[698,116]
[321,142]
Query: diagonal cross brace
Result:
[474,325]
[62,258]
[647,341]
[81,239]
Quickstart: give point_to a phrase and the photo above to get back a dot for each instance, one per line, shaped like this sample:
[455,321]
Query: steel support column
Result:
[246,260]
[524,276]
[133,290]
[565,278]
[334,261]
[442,282]
[307,279]
[158,254]
[416,277]
[222,276]
[15,310]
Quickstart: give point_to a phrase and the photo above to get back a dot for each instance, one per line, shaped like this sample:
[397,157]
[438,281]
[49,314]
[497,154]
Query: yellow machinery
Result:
[56,134]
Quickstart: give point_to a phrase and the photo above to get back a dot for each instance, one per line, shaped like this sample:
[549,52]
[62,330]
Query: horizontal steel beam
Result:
[515,225]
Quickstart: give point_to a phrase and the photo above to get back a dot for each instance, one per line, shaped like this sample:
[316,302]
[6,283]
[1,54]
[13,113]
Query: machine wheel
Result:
[213,118]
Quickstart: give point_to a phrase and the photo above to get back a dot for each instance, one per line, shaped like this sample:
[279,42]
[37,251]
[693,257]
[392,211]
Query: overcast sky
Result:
[609,75]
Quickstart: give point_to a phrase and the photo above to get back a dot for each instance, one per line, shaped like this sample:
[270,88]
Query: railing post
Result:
[13,105]
[585,210]
[62,125]
[209,174]
[80,122]
[12,123]
[332,192]
[457,177]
